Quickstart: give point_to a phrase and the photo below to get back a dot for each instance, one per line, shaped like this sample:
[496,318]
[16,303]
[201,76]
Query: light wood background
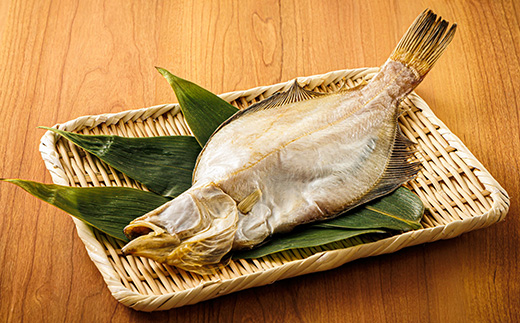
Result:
[63,59]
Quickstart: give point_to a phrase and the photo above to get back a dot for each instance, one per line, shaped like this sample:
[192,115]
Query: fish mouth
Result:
[149,240]
[141,227]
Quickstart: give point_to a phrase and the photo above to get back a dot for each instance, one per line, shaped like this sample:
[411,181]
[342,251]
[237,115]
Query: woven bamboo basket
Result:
[458,192]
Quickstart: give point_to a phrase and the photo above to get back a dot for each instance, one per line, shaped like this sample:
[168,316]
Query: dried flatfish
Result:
[294,158]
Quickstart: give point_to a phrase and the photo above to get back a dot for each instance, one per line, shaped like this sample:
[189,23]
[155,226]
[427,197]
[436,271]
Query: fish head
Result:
[193,231]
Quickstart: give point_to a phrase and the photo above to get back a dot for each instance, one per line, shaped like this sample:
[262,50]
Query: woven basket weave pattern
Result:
[458,192]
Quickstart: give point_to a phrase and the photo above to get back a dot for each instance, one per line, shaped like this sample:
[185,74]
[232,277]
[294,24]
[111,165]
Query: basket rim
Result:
[139,301]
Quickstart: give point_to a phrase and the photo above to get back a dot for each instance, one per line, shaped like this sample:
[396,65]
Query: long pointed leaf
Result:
[163,164]
[400,210]
[203,110]
[310,237]
[108,209]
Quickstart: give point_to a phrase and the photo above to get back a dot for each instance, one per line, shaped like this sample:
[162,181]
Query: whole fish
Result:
[294,158]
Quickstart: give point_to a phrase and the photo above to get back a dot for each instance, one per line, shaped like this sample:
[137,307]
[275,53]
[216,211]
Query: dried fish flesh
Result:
[294,158]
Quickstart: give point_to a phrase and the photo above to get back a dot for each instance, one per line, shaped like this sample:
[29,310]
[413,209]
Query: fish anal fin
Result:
[402,167]
[247,204]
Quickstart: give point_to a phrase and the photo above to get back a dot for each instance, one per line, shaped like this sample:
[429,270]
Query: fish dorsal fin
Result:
[295,93]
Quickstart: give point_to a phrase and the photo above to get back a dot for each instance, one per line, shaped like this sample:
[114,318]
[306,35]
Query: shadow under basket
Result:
[458,192]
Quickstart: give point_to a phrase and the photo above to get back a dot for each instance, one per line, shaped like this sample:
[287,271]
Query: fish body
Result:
[310,159]
[294,158]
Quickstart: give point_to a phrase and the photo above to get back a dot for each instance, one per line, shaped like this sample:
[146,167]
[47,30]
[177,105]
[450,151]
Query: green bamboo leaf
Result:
[108,209]
[203,110]
[305,238]
[163,164]
[400,210]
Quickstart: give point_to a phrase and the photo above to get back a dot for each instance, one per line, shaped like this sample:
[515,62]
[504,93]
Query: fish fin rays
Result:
[295,93]
[424,42]
[247,204]
[402,167]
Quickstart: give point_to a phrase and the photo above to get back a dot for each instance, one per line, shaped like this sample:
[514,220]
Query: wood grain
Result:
[64,59]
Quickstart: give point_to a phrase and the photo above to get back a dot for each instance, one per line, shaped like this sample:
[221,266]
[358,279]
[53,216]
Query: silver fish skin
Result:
[292,159]
[310,159]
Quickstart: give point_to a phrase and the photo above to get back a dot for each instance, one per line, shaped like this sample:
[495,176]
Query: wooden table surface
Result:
[63,59]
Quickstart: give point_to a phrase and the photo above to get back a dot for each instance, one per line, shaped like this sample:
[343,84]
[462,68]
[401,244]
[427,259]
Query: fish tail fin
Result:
[424,42]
